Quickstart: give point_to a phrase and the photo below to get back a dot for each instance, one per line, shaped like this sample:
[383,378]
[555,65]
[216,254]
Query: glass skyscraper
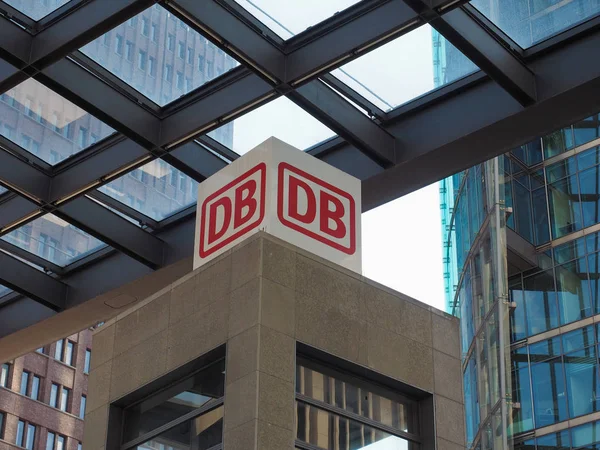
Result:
[521,242]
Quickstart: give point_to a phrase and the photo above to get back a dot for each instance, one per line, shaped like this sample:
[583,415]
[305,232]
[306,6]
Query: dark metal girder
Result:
[14,209]
[32,283]
[500,63]
[15,43]
[116,231]
[22,313]
[23,177]
[347,121]
[195,161]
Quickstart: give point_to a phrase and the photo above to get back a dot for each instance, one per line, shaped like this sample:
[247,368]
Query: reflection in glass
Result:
[328,431]
[280,118]
[160,56]
[530,23]
[581,371]
[36,9]
[543,350]
[156,189]
[565,210]
[549,397]
[540,303]
[576,339]
[53,239]
[587,130]
[589,184]
[175,402]
[574,300]
[200,433]
[405,68]
[4,291]
[47,125]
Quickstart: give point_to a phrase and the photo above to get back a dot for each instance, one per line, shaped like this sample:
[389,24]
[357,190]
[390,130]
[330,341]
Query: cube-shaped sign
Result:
[285,192]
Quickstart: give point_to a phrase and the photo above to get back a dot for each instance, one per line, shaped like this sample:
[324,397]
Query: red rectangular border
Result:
[260,167]
[280,171]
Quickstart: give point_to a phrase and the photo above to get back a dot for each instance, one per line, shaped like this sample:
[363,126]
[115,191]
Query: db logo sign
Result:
[316,208]
[233,210]
[283,192]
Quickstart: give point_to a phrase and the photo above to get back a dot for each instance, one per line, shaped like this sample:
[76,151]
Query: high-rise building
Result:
[43,395]
[521,242]
[159,56]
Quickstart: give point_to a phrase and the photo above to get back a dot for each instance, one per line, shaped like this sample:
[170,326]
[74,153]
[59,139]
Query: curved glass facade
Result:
[522,241]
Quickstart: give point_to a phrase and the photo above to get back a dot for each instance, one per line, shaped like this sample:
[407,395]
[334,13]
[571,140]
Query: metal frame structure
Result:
[516,96]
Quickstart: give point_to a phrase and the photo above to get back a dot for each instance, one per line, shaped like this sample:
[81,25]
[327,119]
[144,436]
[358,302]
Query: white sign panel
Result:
[287,193]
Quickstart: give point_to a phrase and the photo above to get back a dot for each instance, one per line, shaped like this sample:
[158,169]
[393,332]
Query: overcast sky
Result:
[402,239]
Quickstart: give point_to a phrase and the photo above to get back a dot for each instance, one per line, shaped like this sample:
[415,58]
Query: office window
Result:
[88,358]
[69,353]
[4,375]
[174,177]
[40,350]
[119,44]
[145,26]
[25,435]
[30,439]
[58,351]
[142,60]
[169,73]
[182,182]
[20,439]
[64,399]
[82,407]
[2,420]
[106,39]
[201,63]
[188,84]
[129,51]
[24,383]
[154,32]
[27,107]
[181,50]
[60,442]
[152,66]
[50,439]
[35,387]
[54,395]
[209,69]
[93,139]
[170,42]
[132,22]
[83,137]
[190,55]
[179,80]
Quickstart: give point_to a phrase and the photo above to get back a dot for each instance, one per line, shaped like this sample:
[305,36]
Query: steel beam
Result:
[32,283]
[114,230]
[347,121]
[22,313]
[195,161]
[236,36]
[15,43]
[494,58]
[14,209]
[23,177]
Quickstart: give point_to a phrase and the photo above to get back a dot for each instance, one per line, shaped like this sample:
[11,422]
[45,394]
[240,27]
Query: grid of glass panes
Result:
[189,413]
[336,411]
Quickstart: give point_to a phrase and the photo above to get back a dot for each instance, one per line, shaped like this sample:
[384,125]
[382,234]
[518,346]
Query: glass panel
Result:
[543,350]
[86,364]
[82,407]
[581,370]
[64,399]
[576,339]
[54,240]
[587,130]
[175,402]
[201,433]
[584,435]
[36,9]
[280,118]
[588,158]
[593,264]
[326,387]
[561,169]
[24,382]
[557,142]
[35,387]
[4,375]
[328,431]
[293,16]
[30,437]
[540,216]
[161,57]
[540,303]
[69,353]
[60,443]
[20,433]
[522,416]
[549,397]
[405,68]
[570,250]
[589,184]
[54,395]
[574,299]
[528,23]
[50,441]
[555,441]
[565,211]
[46,124]
[156,189]
[58,350]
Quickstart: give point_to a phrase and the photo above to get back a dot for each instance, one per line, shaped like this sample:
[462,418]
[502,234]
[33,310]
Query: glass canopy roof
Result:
[46,124]
[4,290]
[291,17]
[156,189]
[540,20]
[405,68]
[159,55]
[36,9]
[280,118]
[53,239]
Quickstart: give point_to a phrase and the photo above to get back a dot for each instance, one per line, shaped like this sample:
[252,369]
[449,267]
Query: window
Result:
[142,60]
[181,50]
[54,395]
[4,375]
[209,69]
[24,383]
[132,22]
[25,435]
[64,399]
[79,446]
[82,407]
[188,84]
[193,407]
[58,351]
[366,415]
[69,353]
[83,137]
[182,182]
[145,26]
[93,139]
[2,420]
[119,44]
[50,438]
[190,55]
[129,51]
[170,42]
[35,388]
[68,129]
[174,177]
[169,73]
[20,433]
[179,80]
[40,350]
[154,32]
[152,66]
[201,63]
[106,39]
[88,358]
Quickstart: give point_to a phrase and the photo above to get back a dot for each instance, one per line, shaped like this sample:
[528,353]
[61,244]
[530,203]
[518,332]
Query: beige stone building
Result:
[270,347]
